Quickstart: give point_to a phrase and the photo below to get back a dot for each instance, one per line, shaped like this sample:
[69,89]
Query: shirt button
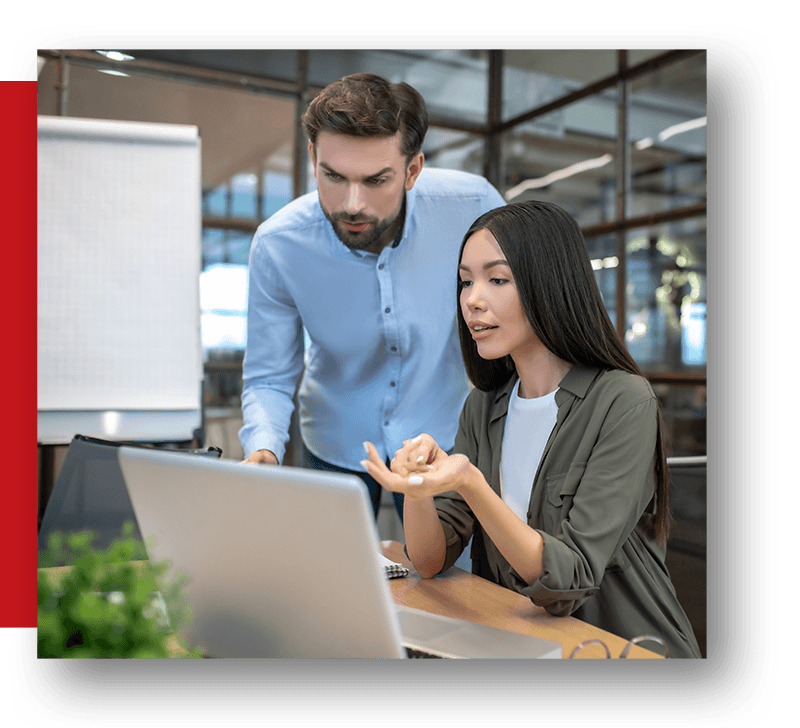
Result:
[392,384]
[380,267]
[387,309]
[394,348]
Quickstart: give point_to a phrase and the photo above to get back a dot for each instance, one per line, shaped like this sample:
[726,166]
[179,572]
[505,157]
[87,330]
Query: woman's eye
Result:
[499,281]
[464,284]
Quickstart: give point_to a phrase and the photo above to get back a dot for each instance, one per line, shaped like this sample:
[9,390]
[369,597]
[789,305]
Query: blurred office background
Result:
[617,138]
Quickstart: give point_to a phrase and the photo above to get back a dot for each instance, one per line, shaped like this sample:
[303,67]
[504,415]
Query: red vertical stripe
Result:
[18,331]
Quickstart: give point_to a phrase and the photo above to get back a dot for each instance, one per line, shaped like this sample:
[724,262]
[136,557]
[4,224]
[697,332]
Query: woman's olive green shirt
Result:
[592,499]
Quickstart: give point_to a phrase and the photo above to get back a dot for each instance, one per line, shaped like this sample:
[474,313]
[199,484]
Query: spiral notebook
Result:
[392,568]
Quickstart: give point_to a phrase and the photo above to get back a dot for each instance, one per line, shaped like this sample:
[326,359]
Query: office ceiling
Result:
[239,130]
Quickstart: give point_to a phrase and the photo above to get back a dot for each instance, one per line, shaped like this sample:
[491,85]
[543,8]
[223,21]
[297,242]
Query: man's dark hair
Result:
[366,105]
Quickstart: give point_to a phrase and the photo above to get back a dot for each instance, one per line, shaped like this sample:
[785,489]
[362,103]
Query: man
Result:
[366,268]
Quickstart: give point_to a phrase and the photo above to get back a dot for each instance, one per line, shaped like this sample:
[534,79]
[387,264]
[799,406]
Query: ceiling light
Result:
[116,55]
[672,131]
[531,184]
[680,128]
[112,73]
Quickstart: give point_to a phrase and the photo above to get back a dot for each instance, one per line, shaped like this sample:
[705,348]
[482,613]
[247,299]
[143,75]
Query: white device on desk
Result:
[284,562]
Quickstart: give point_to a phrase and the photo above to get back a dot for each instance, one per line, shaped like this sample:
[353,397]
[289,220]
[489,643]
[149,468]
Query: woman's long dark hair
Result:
[547,255]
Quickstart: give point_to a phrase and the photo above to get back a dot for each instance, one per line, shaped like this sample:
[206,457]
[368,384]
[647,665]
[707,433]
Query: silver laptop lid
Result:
[281,561]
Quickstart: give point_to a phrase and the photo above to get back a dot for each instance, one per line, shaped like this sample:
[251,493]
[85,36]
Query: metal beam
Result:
[494,114]
[62,86]
[300,176]
[656,218]
[622,164]
[592,89]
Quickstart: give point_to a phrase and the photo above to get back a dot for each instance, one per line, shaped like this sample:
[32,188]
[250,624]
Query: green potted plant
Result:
[107,603]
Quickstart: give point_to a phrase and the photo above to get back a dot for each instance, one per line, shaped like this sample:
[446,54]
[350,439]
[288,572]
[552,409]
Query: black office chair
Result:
[90,492]
[686,550]
[687,499]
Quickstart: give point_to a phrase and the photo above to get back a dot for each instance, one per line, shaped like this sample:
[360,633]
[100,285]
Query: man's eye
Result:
[333,176]
[376,182]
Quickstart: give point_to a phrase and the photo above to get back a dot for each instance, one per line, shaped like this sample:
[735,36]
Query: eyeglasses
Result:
[626,651]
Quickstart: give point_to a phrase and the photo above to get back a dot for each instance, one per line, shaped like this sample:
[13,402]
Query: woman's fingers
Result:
[377,469]
[415,456]
[444,475]
[372,453]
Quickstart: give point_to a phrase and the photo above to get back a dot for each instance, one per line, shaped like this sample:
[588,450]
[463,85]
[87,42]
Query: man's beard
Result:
[366,239]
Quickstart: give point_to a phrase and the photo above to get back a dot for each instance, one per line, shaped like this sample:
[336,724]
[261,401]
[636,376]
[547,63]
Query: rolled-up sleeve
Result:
[592,501]
[595,505]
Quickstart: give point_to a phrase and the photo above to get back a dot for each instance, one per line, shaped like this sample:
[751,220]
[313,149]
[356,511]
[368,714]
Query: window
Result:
[223,306]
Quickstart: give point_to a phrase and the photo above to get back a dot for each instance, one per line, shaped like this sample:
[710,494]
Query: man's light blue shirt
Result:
[384,362]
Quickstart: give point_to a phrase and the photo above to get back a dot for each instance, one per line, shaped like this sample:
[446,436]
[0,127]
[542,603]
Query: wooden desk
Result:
[457,593]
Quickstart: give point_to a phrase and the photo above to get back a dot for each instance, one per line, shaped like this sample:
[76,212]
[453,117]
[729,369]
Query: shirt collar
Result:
[578,379]
[409,222]
[576,382]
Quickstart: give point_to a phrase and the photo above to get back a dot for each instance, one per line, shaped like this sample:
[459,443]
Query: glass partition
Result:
[567,156]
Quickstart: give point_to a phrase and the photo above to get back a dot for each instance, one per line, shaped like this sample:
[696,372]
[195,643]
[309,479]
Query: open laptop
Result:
[284,562]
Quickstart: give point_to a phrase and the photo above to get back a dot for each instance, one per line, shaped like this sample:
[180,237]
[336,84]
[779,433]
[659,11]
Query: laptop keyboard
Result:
[414,654]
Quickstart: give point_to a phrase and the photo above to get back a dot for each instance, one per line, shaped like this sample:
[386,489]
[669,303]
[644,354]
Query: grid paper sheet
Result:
[119,249]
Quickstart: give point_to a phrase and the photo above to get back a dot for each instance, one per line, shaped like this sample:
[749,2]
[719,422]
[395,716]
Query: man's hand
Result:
[261,457]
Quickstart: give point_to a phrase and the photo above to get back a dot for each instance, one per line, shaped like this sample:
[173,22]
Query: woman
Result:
[560,404]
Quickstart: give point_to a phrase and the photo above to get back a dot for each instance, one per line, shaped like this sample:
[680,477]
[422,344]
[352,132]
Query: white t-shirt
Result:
[529,423]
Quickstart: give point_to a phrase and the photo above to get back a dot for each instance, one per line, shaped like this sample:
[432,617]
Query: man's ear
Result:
[311,155]
[413,169]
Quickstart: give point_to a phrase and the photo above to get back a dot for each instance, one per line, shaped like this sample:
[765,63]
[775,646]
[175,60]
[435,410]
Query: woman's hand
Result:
[416,456]
[418,479]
